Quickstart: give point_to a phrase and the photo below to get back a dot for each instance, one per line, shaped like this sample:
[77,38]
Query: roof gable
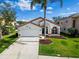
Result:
[43,20]
[36,19]
[40,20]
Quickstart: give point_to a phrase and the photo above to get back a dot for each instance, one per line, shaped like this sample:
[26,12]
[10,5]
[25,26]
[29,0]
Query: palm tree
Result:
[44,6]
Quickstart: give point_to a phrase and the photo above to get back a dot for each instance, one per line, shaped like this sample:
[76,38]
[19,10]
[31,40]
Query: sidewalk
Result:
[51,57]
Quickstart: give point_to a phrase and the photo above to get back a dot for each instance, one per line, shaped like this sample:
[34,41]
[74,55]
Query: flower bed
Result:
[45,41]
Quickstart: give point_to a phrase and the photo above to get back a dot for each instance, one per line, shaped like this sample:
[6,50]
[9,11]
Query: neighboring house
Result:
[69,22]
[36,28]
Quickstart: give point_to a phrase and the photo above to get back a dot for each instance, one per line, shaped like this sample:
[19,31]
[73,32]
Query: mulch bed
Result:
[60,37]
[45,41]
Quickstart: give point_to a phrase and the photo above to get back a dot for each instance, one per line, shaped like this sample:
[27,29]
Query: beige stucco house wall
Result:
[67,23]
[36,27]
[50,27]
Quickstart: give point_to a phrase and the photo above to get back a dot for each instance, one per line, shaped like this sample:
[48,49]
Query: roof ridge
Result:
[36,19]
[52,22]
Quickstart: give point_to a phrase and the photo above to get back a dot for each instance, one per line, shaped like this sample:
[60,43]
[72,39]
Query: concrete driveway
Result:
[28,39]
[24,48]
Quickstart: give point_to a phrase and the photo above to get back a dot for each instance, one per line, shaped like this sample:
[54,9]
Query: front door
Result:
[43,31]
[46,30]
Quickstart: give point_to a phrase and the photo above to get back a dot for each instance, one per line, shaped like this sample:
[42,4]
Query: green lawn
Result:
[7,41]
[68,47]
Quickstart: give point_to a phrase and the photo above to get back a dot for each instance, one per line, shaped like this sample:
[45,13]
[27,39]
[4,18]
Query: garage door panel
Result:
[30,33]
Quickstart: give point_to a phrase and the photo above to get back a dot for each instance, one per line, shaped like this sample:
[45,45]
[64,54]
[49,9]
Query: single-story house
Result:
[36,28]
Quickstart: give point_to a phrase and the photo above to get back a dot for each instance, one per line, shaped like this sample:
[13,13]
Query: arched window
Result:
[54,30]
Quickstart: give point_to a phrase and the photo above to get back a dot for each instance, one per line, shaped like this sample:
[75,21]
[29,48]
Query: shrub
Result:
[73,32]
[4,31]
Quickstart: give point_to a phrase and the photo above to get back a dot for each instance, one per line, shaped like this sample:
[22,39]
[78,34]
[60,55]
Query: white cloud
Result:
[11,3]
[23,20]
[68,9]
[24,5]
[49,12]
[49,8]
[41,10]
[67,14]
[1,4]
[78,3]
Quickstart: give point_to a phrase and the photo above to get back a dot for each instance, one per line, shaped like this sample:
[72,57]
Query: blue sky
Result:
[23,11]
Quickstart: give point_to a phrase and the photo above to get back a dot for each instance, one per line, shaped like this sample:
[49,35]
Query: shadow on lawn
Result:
[69,36]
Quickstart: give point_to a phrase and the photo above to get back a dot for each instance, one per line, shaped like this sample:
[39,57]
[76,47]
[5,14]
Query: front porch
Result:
[50,32]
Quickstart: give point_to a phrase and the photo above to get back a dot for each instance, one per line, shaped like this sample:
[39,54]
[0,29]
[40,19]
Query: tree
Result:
[44,6]
[57,18]
[8,14]
[22,22]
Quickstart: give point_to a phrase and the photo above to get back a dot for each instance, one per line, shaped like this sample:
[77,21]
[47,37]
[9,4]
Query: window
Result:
[61,22]
[64,28]
[46,30]
[66,21]
[43,31]
[58,23]
[74,23]
[54,30]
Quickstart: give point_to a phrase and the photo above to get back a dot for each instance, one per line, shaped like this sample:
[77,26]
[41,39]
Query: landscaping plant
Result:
[73,32]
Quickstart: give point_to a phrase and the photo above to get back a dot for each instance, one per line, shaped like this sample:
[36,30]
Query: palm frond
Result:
[31,5]
[42,5]
[34,2]
[61,3]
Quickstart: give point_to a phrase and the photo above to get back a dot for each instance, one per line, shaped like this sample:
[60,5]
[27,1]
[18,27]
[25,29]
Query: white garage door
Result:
[30,30]
[29,33]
